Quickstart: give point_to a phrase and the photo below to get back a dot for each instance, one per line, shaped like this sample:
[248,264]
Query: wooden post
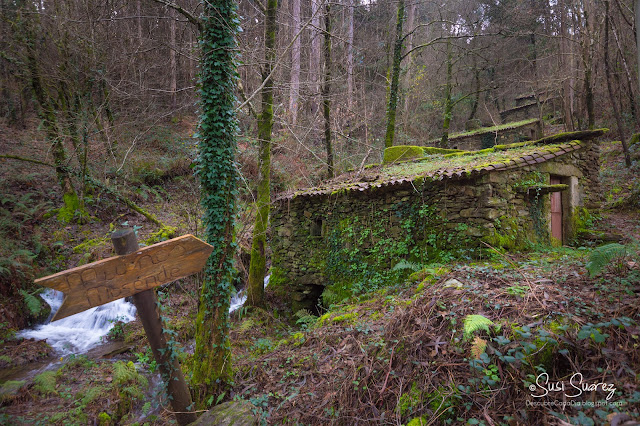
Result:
[125,242]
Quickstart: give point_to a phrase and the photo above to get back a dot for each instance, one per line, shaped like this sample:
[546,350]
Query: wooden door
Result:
[556,212]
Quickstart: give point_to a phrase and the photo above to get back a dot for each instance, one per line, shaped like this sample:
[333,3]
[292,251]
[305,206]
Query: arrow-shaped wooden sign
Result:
[121,276]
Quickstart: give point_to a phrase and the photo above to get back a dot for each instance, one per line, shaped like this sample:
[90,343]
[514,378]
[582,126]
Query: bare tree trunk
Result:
[630,91]
[637,21]
[350,12]
[173,68]
[407,78]
[315,54]
[612,98]
[587,62]
[326,90]
[565,66]
[294,93]
[476,97]
[448,102]
[139,18]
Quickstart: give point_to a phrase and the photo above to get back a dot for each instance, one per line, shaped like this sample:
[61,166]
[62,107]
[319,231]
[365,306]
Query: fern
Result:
[405,264]
[45,383]
[127,373]
[329,298]
[603,256]
[478,347]
[32,302]
[473,323]
[305,318]
[247,325]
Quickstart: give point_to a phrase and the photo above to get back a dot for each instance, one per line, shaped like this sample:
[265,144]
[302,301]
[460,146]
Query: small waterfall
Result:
[80,332]
[240,297]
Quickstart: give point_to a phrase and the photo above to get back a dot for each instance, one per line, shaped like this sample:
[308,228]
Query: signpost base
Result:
[125,242]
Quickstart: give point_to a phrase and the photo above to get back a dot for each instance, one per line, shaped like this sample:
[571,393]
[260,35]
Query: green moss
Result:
[482,130]
[510,146]
[508,234]
[344,318]
[418,421]
[297,339]
[323,319]
[86,246]
[430,150]
[163,234]
[410,401]
[465,153]
[458,154]
[398,153]
[376,315]
[444,401]
[571,136]
[104,419]
[71,205]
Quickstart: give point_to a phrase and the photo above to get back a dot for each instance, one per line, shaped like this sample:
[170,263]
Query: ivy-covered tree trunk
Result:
[257,266]
[326,90]
[395,77]
[218,179]
[448,102]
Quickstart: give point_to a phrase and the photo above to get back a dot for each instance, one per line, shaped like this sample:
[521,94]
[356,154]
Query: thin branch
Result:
[471,94]
[190,17]
[275,66]
[243,96]
[29,160]
[442,38]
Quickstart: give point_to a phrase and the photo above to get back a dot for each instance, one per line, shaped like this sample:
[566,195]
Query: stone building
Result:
[486,137]
[523,110]
[428,209]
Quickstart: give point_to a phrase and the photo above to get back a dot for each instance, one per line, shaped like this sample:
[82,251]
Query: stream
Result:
[79,333]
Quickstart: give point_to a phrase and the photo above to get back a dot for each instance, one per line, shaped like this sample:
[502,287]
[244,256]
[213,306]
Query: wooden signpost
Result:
[135,272]
[111,279]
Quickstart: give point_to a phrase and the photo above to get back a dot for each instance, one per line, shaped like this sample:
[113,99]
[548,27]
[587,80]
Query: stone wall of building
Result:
[324,239]
[523,111]
[478,141]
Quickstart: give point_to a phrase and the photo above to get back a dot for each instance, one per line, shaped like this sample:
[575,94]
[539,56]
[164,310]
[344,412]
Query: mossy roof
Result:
[494,129]
[470,165]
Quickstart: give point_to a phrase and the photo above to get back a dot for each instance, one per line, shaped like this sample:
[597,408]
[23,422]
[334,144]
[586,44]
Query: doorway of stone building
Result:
[557,230]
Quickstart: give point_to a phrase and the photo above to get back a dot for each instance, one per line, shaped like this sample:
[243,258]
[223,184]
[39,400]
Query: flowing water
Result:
[80,332]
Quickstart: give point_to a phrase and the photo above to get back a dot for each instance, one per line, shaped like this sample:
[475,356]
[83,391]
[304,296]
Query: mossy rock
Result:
[236,413]
[398,153]
[10,390]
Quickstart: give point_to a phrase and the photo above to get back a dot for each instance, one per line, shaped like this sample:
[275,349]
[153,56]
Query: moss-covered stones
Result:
[399,153]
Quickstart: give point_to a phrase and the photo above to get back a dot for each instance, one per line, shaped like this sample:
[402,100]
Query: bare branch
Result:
[275,66]
[190,17]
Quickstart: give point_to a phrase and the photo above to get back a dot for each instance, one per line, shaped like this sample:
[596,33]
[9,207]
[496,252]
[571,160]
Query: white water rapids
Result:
[78,333]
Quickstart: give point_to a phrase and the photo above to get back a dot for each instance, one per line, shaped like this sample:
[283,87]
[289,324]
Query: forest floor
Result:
[463,343]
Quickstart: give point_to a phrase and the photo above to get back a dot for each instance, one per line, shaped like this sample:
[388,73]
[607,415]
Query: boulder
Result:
[232,413]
